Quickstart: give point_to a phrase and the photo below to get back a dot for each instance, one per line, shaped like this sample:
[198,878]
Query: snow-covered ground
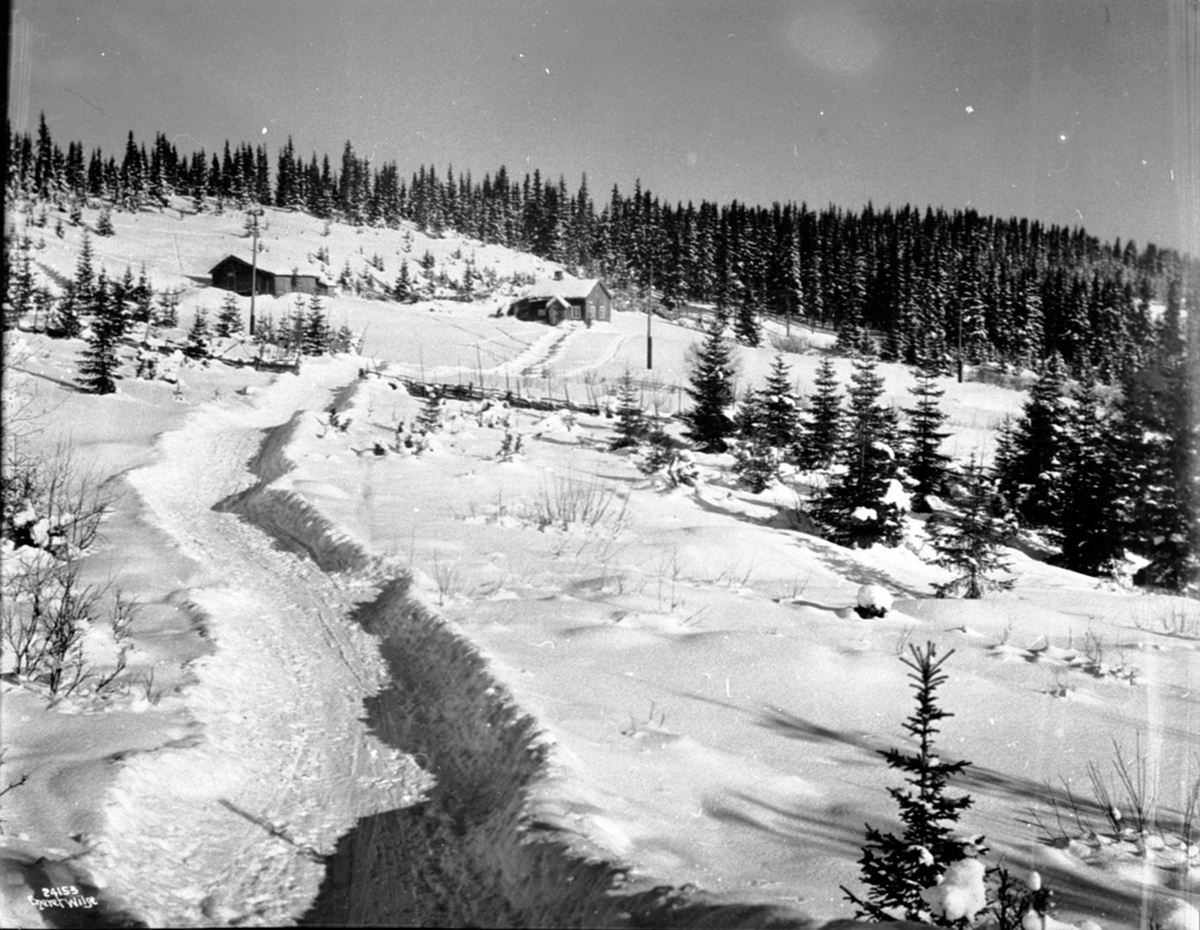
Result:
[701,704]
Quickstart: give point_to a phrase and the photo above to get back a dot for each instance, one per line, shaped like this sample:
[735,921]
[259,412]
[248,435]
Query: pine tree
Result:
[927,464]
[820,429]
[896,869]
[229,317]
[969,542]
[864,501]
[711,390]
[631,422]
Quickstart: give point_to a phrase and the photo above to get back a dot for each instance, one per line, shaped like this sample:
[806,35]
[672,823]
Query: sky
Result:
[1073,112]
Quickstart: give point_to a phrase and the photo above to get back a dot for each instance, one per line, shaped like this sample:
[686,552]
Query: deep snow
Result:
[706,701]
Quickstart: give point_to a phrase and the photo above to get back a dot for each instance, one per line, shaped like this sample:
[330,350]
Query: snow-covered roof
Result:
[566,288]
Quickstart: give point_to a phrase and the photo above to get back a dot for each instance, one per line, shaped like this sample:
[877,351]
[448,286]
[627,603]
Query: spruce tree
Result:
[85,272]
[969,542]
[104,223]
[820,428]
[20,285]
[746,324]
[631,422]
[403,290]
[1092,520]
[315,338]
[896,869]
[229,317]
[779,421]
[429,420]
[711,390]
[755,460]
[1161,441]
[927,464]
[99,367]
[198,336]
[1031,479]
[168,309]
[65,322]
[864,502]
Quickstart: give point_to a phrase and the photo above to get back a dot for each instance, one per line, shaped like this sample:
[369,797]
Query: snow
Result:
[875,598]
[709,702]
[961,894]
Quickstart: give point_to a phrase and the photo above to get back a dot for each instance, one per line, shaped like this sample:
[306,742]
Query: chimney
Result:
[558,275]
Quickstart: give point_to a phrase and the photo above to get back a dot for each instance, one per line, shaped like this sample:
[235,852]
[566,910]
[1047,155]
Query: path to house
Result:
[281,763]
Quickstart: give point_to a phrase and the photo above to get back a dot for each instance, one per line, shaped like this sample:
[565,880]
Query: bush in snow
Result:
[873,601]
[52,510]
[662,457]
[898,869]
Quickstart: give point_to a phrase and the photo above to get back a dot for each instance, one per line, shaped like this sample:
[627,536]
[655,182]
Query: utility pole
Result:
[255,213]
[649,337]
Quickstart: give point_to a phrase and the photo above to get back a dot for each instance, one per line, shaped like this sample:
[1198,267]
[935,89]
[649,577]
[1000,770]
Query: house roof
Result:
[567,288]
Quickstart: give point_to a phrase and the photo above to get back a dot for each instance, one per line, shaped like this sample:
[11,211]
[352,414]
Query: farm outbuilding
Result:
[235,274]
[563,298]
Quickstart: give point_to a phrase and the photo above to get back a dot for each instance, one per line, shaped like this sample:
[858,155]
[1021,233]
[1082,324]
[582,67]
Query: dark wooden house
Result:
[235,274]
[562,298]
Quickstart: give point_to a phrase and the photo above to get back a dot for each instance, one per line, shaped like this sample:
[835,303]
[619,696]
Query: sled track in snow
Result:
[471,854]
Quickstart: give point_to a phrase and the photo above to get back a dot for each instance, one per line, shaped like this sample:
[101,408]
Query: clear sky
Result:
[1068,111]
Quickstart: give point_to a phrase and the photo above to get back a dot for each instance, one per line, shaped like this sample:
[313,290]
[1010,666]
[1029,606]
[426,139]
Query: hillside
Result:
[368,681]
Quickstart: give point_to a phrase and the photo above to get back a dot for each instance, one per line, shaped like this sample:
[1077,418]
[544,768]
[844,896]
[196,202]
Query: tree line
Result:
[901,283]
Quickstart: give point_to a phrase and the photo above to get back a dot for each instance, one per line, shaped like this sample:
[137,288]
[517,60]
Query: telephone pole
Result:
[255,213]
[649,337]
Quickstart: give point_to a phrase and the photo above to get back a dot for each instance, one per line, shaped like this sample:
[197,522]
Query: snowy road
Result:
[230,826]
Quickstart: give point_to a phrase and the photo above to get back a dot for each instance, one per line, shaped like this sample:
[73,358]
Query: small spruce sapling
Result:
[229,317]
[897,869]
[969,543]
[429,420]
[631,422]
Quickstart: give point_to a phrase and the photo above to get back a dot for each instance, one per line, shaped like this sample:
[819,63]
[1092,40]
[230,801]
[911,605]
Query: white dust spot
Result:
[970,109]
[1063,137]
[264,132]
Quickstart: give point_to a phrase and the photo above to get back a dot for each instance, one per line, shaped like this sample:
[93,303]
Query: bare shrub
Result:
[569,501]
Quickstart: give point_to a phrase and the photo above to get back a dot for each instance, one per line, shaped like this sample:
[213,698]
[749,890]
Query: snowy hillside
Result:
[498,674]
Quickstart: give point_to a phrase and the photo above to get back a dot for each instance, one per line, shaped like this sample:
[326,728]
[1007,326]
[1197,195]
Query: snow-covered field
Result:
[671,679]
